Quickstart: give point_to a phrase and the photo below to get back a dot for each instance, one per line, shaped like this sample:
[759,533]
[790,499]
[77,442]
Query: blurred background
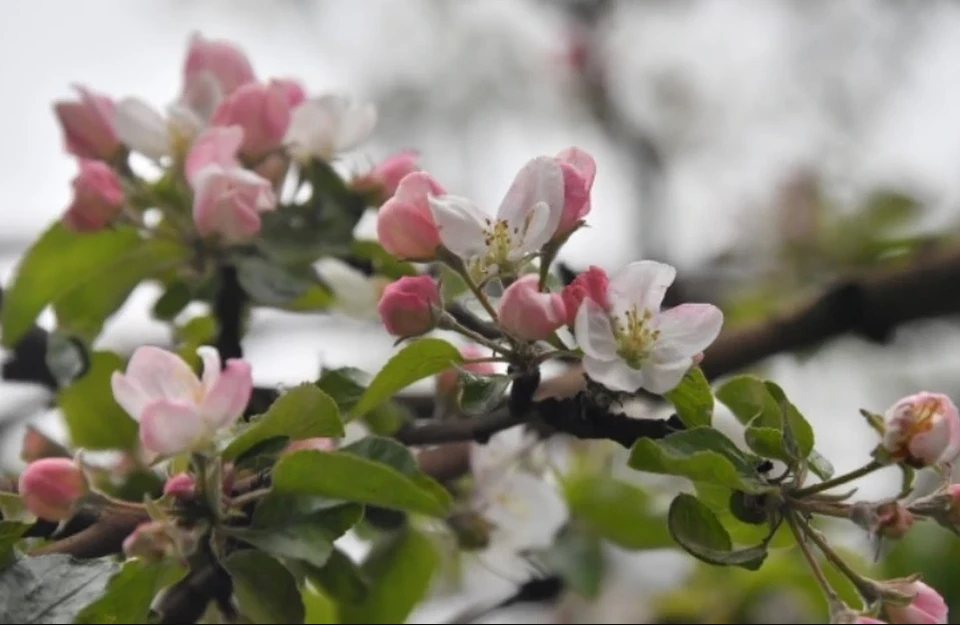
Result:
[764,148]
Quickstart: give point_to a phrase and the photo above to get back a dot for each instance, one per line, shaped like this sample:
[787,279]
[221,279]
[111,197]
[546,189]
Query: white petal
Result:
[642,284]
[687,330]
[489,461]
[169,427]
[594,332]
[211,366]
[141,128]
[314,126]
[129,395]
[356,126]
[526,510]
[616,375]
[184,123]
[534,233]
[162,375]
[539,181]
[460,223]
[660,377]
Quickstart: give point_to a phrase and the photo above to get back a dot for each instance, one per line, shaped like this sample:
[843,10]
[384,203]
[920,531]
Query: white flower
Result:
[321,127]
[630,344]
[143,129]
[527,219]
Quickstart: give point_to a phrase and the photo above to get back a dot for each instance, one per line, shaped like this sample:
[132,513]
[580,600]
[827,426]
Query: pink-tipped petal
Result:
[460,224]
[230,394]
[210,358]
[160,374]
[582,162]
[218,145]
[594,332]
[128,395]
[539,180]
[169,427]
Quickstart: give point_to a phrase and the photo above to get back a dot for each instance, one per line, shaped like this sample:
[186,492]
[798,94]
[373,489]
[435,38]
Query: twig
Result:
[228,307]
[105,537]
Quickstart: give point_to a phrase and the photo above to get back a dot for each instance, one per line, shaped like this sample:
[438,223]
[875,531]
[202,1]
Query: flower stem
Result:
[449,323]
[253,495]
[866,469]
[863,586]
[831,594]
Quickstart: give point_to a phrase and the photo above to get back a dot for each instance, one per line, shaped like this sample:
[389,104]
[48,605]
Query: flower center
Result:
[634,336]
[923,417]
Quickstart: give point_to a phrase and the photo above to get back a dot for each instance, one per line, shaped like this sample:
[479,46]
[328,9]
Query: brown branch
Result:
[105,537]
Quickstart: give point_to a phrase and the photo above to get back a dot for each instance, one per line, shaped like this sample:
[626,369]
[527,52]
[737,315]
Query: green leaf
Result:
[719,499]
[767,442]
[383,262]
[85,276]
[384,450]
[399,571]
[308,538]
[130,592]
[701,454]
[692,399]
[94,419]
[268,283]
[51,588]
[347,476]
[695,528]
[66,357]
[301,412]
[748,398]
[10,533]
[341,578]
[345,385]
[797,432]
[174,299]
[421,358]
[616,511]
[315,297]
[578,558]
[482,393]
[265,589]
[319,608]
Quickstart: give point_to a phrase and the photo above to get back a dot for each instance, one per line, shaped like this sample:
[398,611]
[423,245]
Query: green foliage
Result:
[577,556]
[301,412]
[94,419]
[272,284]
[10,533]
[616,511]
[383,263]
[341,579]
[693,399]
[346,385]
[266,591]
[399,571]
[695,528]
[51,588]
[419,359]
[130,592]
[481,393]
[701,454]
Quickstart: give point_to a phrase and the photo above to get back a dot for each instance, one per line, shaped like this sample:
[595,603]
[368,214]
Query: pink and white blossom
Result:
[178,411]
[528,313]
[97,198]
[923,430]
[385,177]
[527,219]
[87,125]
[927,607]
[634,345]
[324,126]
[263,111]
[405,225]
[213,64]
[579,171]
[593,284]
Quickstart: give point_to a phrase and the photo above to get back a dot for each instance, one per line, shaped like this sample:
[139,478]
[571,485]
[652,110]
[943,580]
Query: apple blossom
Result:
[405,225]
[262,110]
[529,314]
[527,219]
[408,306]
[923,430]
[927,607]
[48,487]
[323,126]
[634,345]
[214,59]
[592,283]
[88,125]
[97,198]
[178,411]
[180,485]
[386,175]
[579,170]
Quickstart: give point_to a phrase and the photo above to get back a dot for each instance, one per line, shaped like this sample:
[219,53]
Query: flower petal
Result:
[162,375]
[141,128]
[662,376]
[170,427]
[540,180]
[616,374]
[641,284]
[129,395]
[229,395]
[594,332]
[582,162]
[461,224]
[356,125]
[686,330]
[526,510]
[211,366]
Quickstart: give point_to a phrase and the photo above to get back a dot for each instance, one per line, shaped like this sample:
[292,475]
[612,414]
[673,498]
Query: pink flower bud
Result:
[528,314]
[893,520]
[579,170]
[181,485]
[593,284]
[407,306]
[384,179]
[49,486]
[923,430]
[318,443]
[97,198]
[151,540]
[405,225]
[263,111]
[447,379]
[867,620]
[215,146]
[927,607]
[88,125]
[217,59]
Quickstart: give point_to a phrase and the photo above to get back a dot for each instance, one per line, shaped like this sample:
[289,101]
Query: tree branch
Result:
[228,306]
[104,537]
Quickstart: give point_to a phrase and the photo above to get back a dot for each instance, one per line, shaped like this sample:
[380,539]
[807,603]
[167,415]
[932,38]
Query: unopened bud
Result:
[925,604]
[50,486]
[180,486]
[408,306]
